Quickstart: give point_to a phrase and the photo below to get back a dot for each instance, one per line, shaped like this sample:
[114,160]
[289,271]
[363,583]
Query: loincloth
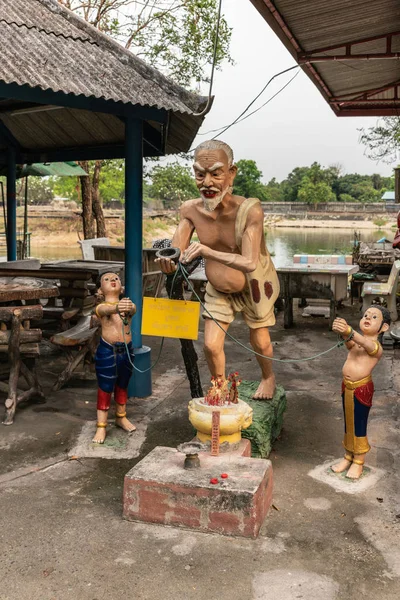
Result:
[357,401]
[223,307]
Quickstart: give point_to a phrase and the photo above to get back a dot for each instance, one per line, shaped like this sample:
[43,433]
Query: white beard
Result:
[211,204]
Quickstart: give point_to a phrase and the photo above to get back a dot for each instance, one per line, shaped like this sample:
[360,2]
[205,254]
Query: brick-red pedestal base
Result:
[159,490]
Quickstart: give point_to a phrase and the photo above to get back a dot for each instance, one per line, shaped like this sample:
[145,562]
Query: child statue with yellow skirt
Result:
[364,354]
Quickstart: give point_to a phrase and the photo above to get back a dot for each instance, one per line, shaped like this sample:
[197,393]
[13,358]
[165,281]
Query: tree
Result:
[315,193]
[175,37]
[273,191]
[248,180]
[172,184]
[314,174]
[39,190]
[382,142]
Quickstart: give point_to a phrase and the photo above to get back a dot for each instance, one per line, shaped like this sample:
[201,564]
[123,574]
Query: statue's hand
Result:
[195,249]
[126,307]
[167,265]
[340,325]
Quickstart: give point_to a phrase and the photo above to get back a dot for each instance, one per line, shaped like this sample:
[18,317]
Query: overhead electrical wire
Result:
[226,127]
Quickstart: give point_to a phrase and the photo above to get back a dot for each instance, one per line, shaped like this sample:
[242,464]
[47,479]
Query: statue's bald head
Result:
[215,145]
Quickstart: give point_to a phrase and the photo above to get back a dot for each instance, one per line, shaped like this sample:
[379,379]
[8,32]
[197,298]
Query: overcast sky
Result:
[297,127]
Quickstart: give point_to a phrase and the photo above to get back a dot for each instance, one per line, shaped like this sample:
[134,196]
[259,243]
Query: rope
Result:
[239,343]
[162,340]
[182,269]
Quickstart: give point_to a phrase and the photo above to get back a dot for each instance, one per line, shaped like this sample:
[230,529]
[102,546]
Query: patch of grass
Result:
[380,221]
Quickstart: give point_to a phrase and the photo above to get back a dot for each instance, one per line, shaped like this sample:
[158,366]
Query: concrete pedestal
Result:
[159,490]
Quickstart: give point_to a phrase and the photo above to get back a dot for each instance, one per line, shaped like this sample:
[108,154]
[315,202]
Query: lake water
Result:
[283,243]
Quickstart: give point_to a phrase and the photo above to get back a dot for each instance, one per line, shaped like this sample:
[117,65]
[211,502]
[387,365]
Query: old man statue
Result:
[241,276]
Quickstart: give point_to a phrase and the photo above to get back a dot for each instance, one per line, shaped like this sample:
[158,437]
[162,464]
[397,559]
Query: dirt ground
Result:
[61,531]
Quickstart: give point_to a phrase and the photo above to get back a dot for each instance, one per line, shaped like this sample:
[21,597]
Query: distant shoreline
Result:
[333,223]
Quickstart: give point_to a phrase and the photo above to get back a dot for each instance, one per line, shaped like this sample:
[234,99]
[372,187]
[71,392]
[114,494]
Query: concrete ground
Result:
[62,535]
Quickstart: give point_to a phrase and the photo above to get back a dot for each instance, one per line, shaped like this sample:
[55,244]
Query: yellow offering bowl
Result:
[233,418]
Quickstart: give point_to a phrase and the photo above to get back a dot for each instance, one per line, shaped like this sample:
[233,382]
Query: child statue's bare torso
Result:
[113,329]
[358,364]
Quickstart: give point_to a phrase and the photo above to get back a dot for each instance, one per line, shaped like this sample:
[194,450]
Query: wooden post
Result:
[13,348]
[11,206]
[397,185]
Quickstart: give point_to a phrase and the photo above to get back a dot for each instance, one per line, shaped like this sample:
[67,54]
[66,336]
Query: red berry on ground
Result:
[224,475]
[214,480]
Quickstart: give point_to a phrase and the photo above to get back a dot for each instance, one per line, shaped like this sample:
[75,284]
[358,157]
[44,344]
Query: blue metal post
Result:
[11,206]
[140,384]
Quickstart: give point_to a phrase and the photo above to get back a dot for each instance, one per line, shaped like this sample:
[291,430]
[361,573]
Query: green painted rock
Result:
[267,418]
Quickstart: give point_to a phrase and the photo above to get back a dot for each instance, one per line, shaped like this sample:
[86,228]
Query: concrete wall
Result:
[331,207]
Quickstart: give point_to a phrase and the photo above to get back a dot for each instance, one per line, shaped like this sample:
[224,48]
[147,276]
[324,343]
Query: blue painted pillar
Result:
[140,384]
[11,206]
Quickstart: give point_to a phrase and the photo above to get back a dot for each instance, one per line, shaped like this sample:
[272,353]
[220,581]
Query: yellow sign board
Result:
[170,318]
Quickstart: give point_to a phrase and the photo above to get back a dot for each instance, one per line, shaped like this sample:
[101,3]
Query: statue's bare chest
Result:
[217,233]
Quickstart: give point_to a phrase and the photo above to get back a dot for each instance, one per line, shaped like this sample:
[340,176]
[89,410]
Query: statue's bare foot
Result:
[100,435]
[266,389]
[341,466]
[355,471]
[125,424]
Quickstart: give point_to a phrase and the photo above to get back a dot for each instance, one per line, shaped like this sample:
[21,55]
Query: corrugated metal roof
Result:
[47,48]
[327,39]
[44,45]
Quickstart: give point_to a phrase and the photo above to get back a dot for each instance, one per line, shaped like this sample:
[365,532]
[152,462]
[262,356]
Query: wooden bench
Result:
[21,344]
[387,291]
[77,342]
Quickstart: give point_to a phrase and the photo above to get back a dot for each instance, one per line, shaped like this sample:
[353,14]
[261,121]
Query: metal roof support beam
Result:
[310,58]
[140,384]
[83,153]
[377,111]
[319,54]
[48,97]
[309,69]
[360,94]
[361,101]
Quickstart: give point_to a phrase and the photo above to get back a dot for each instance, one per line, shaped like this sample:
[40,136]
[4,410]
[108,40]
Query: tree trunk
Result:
[96,204]
[87,211]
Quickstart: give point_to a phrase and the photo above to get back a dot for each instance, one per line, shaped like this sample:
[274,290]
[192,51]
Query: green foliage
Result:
[65,187]
[112,181]
[314,174]
[39,190]
[314,193]
[312,184]
[380,222]
[345,198]
[273,191]
[248,180]
[172,184]
[175,37]
[382,142]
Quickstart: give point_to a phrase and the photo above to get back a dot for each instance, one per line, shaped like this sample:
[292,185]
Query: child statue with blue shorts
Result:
[114,354]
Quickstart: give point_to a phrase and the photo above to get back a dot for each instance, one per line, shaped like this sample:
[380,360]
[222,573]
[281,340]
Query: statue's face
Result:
[371,322]
[110,284]
[214,177]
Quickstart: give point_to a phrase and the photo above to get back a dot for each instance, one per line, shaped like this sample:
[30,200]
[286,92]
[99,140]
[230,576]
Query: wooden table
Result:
[328,282]
[21,343]
[26,288]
